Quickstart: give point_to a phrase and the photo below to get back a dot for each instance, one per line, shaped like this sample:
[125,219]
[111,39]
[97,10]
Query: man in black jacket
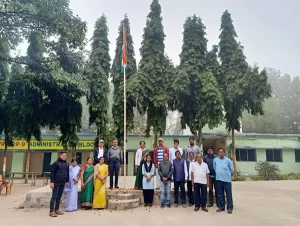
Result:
[99,152]
[59,179]
[209,160]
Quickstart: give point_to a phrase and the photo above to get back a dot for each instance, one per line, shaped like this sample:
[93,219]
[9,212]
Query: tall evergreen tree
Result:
[118,81]
[239,81]
[150,81]
[199,99]
[98,69]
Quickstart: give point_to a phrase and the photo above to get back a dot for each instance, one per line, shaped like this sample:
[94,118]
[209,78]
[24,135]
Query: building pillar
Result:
[130,164]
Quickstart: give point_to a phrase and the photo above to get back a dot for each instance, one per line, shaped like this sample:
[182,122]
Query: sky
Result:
[269,30]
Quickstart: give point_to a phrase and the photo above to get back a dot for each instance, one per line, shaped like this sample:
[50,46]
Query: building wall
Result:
[36,162]
[260,144]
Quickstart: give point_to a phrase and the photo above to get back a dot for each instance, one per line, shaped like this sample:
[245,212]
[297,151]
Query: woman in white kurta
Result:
[72,195]
[148,181]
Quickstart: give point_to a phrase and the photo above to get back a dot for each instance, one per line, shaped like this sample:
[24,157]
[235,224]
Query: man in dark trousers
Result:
[58,180]
[115,160]
[189,166]
[99,152]
[209,160]
[180,178]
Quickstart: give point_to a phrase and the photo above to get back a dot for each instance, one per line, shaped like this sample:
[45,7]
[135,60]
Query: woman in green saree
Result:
[140,158]
[87,184]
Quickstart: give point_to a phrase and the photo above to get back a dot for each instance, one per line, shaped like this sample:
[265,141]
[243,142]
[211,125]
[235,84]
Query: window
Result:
[297,155]
[274,155]
[78,157]
[246,155]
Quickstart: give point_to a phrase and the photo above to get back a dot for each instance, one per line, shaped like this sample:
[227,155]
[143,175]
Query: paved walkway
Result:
[273,203]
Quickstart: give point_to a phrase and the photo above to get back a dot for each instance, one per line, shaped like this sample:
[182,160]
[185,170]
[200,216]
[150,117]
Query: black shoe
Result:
[169,205]
[210,205]
[116,187]
[162,206]
[205,209]
[110,188]
[229,211]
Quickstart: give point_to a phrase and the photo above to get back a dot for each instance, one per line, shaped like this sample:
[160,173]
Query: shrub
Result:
[257,178]
[238,178]
[267,170]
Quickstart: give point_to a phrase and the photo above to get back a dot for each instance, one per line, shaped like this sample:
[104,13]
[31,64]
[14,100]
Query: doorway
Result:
[47,161]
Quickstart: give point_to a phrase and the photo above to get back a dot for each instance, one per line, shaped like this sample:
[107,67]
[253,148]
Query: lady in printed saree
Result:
[72,195]
[87,184]
[148,181]
[100,175]
[140,158]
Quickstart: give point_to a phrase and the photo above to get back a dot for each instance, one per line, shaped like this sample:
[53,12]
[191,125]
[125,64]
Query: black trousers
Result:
[56,197]
[114,170]
[200,192]
[180,184]
[212,187]
[148,196]
[190,192]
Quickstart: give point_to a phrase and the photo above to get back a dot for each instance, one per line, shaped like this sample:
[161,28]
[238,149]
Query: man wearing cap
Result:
[99,152]
[158,154]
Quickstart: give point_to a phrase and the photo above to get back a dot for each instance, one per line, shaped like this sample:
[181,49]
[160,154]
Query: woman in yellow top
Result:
[100,175]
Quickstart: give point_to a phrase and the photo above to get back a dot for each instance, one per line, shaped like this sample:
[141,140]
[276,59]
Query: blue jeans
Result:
[165,194]
[221,188]
[56,197]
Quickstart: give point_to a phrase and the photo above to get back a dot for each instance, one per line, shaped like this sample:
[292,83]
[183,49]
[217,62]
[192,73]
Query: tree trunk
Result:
[233,153]
[27,165]
[155,140]
[74,153]
[4,157]
[199,138]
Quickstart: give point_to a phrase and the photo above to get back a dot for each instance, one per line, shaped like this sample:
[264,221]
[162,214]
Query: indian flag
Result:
[124,51]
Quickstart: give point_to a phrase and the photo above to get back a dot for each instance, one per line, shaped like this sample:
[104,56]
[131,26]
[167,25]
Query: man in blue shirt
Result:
[224,169]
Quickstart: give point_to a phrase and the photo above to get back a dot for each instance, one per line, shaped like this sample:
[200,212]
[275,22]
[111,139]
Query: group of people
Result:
[182,167]
[176,166]
[92,175]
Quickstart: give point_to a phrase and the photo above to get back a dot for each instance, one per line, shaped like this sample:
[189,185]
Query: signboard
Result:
[46,145]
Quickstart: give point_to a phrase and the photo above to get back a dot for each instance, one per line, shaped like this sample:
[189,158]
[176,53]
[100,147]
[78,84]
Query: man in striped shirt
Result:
[158,155]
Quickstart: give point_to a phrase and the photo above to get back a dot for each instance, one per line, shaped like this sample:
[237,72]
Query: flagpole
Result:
[125,132]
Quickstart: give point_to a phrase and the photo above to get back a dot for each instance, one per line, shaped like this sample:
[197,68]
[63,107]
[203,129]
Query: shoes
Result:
[210,205]
[219,210]
[169,205]
[205,209]
[110,188]
[162,206]
[196,209]
[57,212]
[184,205]
[175,205]
[116,187]
[229,211]
[52,214]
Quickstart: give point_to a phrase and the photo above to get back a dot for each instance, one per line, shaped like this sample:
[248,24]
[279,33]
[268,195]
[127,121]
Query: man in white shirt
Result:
[189,166]
[200,181]
[173,150]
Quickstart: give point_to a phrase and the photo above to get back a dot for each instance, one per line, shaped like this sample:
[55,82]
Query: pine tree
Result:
[150,81]
[98,70]
[198,96]
[243,87]
[118,81]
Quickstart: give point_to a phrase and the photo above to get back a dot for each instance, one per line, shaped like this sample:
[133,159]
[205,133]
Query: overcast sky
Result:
[269,30]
